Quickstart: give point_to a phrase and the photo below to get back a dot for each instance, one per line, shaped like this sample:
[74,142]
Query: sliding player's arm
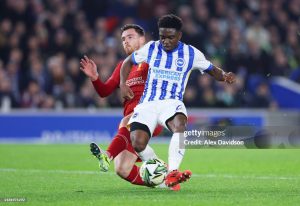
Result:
[124,72]
[89,67]
[107,88]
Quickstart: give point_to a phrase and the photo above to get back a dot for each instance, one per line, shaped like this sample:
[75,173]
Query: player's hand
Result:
[229,77]
[89,67]
[126,92]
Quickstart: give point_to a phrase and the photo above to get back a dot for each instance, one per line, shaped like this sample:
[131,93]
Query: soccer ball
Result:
[153,172]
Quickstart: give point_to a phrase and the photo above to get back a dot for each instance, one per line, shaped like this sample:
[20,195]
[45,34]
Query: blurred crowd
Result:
[42,41]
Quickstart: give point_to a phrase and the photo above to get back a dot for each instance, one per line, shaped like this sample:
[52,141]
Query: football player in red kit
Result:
[120,149]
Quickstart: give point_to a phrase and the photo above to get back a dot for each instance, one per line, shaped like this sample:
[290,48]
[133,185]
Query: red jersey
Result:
[136,81]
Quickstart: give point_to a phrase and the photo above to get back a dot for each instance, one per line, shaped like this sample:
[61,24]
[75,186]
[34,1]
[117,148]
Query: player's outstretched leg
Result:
[117,145]
[101,155]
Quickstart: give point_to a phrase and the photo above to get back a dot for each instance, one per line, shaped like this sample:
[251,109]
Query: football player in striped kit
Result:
[170,64]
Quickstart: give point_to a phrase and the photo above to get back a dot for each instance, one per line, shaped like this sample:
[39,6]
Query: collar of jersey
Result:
[175,49]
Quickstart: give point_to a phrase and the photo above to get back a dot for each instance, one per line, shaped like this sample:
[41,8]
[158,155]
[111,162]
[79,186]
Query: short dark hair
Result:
[136,27]
[170,21]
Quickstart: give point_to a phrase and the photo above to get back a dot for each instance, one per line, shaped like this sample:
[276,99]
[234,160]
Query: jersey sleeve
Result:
[115,77]
[105,89]
[141,55]
[200,62]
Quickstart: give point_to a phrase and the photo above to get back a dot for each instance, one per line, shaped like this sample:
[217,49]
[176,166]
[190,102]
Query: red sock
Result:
[134,176]
[119,142]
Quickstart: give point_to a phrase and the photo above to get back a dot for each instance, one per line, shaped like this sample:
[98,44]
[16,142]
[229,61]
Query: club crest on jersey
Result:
[179,62]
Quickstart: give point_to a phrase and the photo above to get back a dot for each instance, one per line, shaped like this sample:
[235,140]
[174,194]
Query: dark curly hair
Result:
[170,21]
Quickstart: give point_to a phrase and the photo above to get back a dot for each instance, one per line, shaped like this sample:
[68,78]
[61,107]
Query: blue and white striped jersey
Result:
[168,71]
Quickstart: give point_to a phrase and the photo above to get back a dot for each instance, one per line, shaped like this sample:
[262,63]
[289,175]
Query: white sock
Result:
[175,153]
[147,154]
[162,185]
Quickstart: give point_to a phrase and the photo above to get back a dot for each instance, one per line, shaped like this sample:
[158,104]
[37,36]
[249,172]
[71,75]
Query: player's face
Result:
[169,38]
[131,41]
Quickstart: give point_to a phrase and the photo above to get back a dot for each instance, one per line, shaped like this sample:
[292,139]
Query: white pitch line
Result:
[82,172]
[228,176]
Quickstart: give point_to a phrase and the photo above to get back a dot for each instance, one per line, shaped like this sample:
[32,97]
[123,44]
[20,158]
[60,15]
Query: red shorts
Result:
[157,130]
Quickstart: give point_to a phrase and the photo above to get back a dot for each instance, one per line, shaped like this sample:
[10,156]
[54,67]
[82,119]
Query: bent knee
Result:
[139,146]
[139,140]
[122,170]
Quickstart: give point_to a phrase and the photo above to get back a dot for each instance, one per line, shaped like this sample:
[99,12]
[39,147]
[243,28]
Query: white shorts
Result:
[157,112]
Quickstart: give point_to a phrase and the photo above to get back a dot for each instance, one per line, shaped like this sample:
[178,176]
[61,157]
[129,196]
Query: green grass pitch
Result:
[68,175]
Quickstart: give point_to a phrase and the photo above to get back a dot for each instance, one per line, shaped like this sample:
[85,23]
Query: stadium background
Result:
[41,43]
[44,98]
